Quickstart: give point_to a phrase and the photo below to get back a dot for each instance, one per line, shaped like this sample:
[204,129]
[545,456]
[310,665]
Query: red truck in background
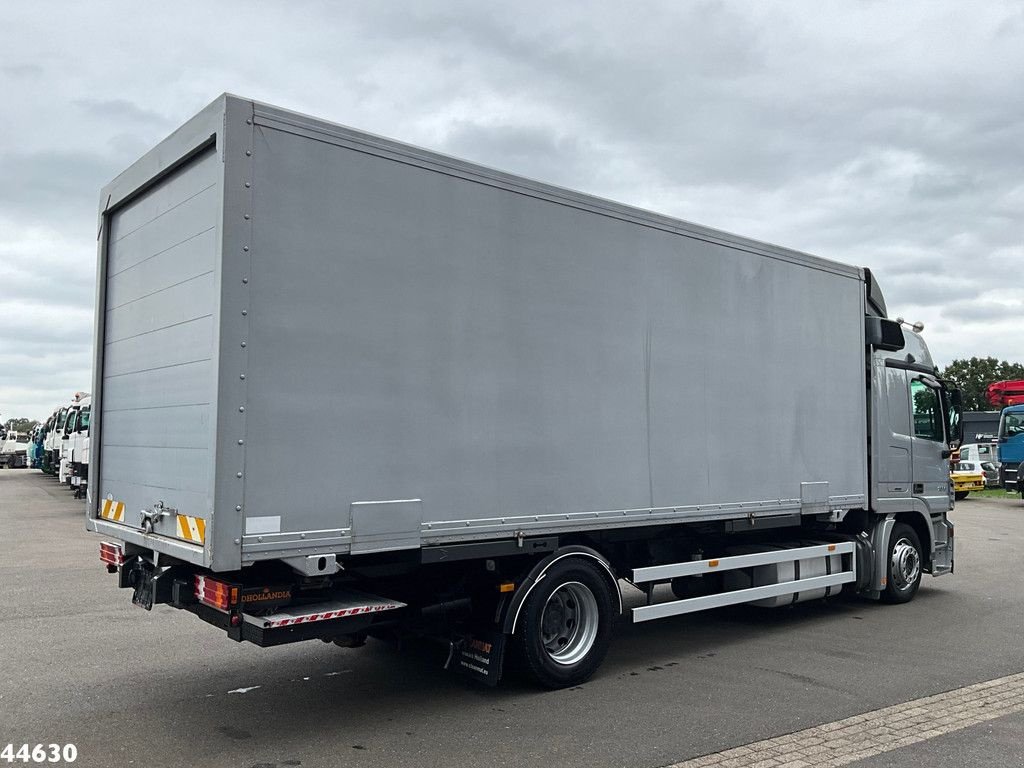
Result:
[1004,393]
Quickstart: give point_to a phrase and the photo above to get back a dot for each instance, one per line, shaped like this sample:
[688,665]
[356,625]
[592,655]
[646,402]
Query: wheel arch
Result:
[537,573]
[923,528]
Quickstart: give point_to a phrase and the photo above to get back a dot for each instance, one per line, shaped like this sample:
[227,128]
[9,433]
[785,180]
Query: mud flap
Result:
[150,584]
[479,656]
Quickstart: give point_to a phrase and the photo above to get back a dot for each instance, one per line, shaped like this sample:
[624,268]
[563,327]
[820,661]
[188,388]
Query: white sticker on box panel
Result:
[270,524]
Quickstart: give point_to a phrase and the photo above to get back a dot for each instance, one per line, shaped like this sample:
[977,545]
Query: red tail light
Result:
[216,594]
[111,554]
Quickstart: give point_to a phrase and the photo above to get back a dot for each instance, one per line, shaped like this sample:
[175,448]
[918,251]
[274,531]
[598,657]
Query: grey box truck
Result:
[345,387]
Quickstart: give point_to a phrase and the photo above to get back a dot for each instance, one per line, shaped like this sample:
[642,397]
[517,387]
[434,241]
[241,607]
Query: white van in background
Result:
[979,452]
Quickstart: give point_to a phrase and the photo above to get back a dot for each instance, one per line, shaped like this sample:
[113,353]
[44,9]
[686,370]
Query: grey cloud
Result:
[45,365]
[942,185]
[534,151]
[46,185]
[929,289]
[121,111]
[21,70]
[1012,26]
[909,266]
[129,146]
[52,333]
[983,311]
[72,289]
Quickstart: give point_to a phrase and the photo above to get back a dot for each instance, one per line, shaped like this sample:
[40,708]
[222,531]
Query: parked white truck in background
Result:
[64,444]
[12,449]
[75,448]
[54,425]
[531,396]
[54,443]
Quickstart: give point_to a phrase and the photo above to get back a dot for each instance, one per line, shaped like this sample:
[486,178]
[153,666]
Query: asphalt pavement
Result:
[79,664]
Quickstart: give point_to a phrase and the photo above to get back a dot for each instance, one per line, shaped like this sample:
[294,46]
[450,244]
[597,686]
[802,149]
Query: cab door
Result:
[892,436]
[929,454]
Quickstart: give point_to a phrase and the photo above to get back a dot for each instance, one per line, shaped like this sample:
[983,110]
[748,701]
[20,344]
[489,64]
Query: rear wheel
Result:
[565,625]
[960,495]
[904,571]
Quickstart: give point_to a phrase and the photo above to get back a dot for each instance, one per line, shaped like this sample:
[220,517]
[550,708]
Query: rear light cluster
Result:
[112,555]
[216,594]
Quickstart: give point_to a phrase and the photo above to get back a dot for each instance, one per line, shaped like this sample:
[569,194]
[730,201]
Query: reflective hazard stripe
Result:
[287,621]
[192,529]
[112,510]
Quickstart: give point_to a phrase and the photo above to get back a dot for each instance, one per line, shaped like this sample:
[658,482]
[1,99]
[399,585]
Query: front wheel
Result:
[565,625]
[903,577]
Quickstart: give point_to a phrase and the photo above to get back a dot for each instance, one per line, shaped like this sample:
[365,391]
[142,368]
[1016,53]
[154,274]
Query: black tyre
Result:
[905,564]
[565,625]
[960,495]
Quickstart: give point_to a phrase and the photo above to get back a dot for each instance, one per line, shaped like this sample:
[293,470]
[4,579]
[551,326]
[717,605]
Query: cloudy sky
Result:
[889,135]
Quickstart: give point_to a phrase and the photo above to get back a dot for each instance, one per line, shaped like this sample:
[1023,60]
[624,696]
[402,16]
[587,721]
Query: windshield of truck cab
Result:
[1013,424]
[22,438]
[61,418]
[83,419]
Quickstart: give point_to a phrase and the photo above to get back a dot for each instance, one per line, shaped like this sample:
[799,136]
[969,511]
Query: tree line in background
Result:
[973,377]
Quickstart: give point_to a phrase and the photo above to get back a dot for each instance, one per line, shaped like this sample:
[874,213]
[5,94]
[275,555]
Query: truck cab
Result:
[67,442]
[916,418]
[35,446]
[916,424]
[1011,448]
[51,446]
[12,449]
[77,458]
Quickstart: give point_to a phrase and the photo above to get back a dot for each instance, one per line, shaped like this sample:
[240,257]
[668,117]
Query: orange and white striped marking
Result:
[112,510]
[192,529]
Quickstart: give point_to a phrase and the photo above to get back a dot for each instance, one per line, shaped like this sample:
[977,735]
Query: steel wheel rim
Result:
[568,623]
[906,564]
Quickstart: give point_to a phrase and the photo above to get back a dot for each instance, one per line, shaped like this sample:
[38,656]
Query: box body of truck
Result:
[314,340]
[327,354]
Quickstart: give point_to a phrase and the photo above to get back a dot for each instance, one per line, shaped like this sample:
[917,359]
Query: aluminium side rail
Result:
[659,573]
